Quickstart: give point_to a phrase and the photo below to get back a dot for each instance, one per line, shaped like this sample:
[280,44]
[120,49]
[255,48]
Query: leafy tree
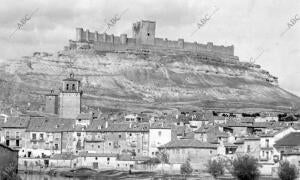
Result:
[163,156]
[152,161]
[216,167]
[245,167]
[287,171]
[186,168]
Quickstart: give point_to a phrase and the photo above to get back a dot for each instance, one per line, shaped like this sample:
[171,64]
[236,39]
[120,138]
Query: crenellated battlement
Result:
[144,37]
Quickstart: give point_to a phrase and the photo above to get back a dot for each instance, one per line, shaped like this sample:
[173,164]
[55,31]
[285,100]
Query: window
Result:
[130,134]
[41,136]
[248,148]
[78,134]
[108,159]
[7,133]
[98,146]
[159,133]
[263,153]
[56,146]
[210,152]
[120,135]
[34,136]
[73,87]
[96,158]
[17,134]
[67,87]
[18,142]
[148,34]
[267,142]
[109,144]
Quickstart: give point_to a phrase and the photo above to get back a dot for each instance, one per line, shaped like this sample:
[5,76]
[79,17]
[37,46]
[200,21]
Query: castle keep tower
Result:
[144,32]
[51,103]
[70,98]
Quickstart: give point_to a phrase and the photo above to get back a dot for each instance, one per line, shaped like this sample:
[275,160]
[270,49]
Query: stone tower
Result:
[144,32]
[70,98]
[51,103]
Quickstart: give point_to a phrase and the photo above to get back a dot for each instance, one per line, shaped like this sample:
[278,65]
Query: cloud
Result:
[251,26]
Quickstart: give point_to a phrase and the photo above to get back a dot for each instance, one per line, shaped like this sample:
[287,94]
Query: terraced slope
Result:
[147,81]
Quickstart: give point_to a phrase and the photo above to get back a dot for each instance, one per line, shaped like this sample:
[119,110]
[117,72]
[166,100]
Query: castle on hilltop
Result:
[144,39]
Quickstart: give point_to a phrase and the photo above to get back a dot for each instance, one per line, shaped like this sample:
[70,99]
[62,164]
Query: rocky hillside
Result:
[143,80]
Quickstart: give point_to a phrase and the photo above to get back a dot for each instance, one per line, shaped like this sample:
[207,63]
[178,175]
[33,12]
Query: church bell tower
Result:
[70,98]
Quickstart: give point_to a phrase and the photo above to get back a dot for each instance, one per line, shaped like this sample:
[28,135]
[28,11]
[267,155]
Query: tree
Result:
[245,167]
[152,161]
[216,167]
[287,171]
[163,156]
[186,168]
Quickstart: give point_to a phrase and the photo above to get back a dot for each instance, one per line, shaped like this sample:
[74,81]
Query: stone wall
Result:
[103,42]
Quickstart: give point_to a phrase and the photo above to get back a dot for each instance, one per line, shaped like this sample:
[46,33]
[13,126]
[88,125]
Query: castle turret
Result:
[180,43]
[144,32]
[87,35]
[70,98]
[96,36]
[123,38]
[79,32]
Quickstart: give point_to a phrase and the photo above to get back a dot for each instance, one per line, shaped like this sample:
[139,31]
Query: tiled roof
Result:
[85,116]
[63,156]
[189,143]
[229,145]
[46,124]
[292,139]
[252,138]
[236,124]
[127,157]
[86,154]
[118,127]
[161,125]
[16,122]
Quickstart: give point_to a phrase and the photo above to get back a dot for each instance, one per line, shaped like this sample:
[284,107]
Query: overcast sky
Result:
[254,27]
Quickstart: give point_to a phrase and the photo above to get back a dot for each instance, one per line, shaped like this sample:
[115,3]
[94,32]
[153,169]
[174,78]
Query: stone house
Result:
[198,152]
[98,160]
[13,131]
[109,137]
[159,134]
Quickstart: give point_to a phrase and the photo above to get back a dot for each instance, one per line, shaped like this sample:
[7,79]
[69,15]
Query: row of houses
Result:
[102,143]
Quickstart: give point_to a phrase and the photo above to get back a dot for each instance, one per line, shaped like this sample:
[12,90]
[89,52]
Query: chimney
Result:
[106,124]
[5,118]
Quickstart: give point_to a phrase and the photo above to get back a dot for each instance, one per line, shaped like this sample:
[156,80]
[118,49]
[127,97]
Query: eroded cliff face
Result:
[143,80]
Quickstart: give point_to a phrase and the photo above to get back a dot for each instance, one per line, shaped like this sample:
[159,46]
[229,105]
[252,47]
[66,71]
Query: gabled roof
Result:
[188,143]
[292,139]
[86,154]
[48,124]
[128,157]
[16,122]
[85,116]
[160,125]
[100,126]
[63,156]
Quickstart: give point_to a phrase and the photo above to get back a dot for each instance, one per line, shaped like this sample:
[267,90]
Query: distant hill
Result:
[143,81]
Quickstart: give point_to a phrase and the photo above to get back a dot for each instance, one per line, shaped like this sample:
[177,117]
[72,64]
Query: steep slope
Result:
[139,80]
